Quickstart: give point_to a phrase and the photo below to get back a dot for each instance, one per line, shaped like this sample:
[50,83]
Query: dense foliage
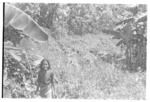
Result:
[19,77]
[132,34]
[92,49]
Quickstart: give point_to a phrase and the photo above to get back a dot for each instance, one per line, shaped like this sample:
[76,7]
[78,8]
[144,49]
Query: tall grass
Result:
[91,77]
[101,81]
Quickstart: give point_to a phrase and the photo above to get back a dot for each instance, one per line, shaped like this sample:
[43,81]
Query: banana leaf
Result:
[121,42]
[21,21]
[125,21]
[143,18]
[116,37]
[16,53]
[111,32]
[19,54]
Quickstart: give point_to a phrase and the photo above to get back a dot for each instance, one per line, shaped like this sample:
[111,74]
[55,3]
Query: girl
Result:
[45,80]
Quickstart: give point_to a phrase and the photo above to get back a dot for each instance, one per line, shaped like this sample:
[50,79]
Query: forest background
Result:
[96,51]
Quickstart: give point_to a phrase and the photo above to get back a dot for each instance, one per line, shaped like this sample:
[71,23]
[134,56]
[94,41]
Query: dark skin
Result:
[45,77]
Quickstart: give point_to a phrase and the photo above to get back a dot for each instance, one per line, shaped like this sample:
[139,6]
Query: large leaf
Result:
[125,21]
[116,37]
[142,18]
[127,32]
[30,46]
[19,54]
[112,32]
[27,44]
[16,53]
[120,42]
[21,21]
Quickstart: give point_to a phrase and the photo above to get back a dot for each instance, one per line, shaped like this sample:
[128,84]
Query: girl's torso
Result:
[43,81]
[44,77]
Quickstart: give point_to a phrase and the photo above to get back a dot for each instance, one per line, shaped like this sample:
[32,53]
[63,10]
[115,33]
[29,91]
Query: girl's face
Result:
[45,65]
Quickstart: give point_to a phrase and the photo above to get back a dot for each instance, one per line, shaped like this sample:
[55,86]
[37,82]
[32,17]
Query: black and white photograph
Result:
[74,51]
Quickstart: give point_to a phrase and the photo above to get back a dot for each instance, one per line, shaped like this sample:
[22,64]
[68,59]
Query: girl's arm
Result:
[50,78]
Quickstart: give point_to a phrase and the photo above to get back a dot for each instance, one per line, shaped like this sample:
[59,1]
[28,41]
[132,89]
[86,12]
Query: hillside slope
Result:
[86,69]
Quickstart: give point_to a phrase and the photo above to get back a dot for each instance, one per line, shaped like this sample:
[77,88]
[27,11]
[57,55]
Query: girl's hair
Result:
[41,64]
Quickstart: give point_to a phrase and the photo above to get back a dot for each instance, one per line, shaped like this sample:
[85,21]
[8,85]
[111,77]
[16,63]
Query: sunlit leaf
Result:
[21,21]
[37,59]
[15,56]
[27,44]
[142,19]
[125,21]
